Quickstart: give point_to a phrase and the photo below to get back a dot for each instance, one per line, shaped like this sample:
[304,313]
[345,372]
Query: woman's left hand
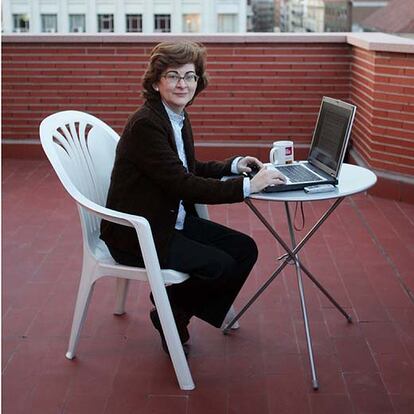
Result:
[246,163]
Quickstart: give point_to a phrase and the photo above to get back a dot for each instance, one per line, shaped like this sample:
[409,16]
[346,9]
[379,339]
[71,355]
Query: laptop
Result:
[327,151]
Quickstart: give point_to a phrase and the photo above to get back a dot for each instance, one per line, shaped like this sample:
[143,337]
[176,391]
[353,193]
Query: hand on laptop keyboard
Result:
[249,165]
[264,178]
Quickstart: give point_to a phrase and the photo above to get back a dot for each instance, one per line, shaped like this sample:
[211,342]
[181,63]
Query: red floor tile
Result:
[397,372]
[208,402]
[166,404]
[288,394]
[403,403]
[247,404]
[372,403]
[282,363]
[86,403]
[363,255]
[354,355]
[49,394]
[364,382]
[329,374]
[382,338]
[330,403]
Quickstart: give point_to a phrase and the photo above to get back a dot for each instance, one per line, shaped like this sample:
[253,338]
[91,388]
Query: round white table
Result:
[352,180]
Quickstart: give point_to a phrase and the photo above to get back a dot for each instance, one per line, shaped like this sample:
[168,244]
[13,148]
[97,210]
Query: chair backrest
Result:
[81,149]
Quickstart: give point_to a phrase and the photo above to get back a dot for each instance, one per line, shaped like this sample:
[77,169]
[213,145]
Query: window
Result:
[49,23]
[191,23]
[134,22]
[227,23]
[249,23]
[105,22]
[20,23]
[162,23]
[77,23]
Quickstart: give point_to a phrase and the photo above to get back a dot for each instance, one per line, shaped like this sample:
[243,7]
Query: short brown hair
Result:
[172,55]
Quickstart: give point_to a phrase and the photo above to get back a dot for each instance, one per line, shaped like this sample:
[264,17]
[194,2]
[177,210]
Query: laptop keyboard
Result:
[298,174]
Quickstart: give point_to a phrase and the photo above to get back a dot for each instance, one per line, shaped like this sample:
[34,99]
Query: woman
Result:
[156,176]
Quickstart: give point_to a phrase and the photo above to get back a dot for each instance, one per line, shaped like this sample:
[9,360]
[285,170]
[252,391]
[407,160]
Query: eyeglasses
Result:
[174,77]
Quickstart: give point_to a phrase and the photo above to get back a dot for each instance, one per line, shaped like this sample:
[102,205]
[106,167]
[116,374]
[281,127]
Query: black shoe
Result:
[181,327]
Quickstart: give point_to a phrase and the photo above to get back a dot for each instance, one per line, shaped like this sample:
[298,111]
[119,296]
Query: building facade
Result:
[123,16]
[338,16]
[263,16]
[292,14]
[328,16]
[277,5]
[315,16]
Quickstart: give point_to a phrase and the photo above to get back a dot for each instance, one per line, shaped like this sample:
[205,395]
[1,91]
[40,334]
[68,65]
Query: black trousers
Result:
[218,260]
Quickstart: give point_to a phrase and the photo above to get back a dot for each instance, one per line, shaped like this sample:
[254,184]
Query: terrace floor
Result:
[364,254]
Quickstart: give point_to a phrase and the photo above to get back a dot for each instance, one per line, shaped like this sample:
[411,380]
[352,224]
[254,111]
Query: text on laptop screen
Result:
[329,135]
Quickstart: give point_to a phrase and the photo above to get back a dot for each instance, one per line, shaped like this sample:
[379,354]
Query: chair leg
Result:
[82,303]
[169,328]
[122,286]
[229,317]
[175,347]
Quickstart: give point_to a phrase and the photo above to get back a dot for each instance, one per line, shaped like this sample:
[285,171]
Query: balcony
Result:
[262,88]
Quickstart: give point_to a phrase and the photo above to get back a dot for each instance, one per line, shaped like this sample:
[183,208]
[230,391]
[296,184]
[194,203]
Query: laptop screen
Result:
[331,135]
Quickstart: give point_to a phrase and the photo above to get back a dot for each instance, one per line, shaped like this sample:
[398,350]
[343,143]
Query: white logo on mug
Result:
[282,152]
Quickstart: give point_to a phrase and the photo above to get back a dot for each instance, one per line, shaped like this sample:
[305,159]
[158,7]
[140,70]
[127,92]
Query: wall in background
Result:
[262,88]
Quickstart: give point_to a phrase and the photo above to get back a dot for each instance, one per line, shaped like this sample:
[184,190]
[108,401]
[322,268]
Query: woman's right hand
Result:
[265,178]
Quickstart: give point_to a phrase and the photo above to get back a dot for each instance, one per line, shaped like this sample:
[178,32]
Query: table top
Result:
[352,180]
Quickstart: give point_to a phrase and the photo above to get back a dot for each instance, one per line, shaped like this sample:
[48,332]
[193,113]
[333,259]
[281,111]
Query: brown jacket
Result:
[149,179]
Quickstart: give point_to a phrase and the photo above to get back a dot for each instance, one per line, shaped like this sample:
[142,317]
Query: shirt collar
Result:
[174,117]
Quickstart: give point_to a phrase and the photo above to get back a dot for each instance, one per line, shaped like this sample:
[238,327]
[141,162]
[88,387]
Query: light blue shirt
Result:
[246,181]
[177,122]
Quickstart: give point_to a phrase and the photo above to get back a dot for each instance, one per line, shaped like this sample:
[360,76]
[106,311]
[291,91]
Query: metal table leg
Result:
[315,384]
[292,255]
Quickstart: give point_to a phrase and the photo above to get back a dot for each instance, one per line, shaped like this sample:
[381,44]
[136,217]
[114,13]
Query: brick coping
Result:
[370,41]
[381,42]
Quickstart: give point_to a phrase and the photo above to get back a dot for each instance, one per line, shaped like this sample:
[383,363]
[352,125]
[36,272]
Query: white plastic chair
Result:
[81,149]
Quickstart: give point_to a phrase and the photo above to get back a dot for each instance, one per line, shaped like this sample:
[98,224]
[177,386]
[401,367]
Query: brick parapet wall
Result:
[262,88]
[382,86]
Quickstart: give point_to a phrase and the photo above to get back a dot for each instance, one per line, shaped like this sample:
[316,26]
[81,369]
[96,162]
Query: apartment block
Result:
[124,16]
[328,16]
[292,14]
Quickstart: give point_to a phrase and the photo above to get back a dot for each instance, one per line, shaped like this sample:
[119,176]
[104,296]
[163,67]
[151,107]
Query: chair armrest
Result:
[142,228]
[141,224]
[113,216]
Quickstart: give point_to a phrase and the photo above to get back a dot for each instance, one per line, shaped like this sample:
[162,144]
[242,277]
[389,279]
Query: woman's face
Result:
[177,86]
